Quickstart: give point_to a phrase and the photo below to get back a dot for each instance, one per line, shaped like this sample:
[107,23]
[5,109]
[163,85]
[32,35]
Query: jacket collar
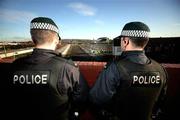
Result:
[44,51]
[132,53]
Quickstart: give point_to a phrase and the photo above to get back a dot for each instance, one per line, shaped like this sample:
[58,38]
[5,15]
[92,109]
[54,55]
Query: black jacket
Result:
[113,87]
[45,84]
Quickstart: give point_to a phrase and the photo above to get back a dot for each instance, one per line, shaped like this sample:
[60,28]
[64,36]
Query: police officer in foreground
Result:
[133,86]
[46,86]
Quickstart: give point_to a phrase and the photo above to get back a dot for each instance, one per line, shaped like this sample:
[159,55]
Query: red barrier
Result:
[173,71]
[91,70]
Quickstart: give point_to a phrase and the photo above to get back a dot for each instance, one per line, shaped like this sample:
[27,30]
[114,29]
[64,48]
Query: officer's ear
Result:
[56,39]
[125,41]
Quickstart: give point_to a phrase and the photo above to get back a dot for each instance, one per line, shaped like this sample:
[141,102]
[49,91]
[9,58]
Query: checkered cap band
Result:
[43,26]
[135,33]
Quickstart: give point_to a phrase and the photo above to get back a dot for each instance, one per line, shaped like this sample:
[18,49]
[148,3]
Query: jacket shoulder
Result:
[20,60]
[67,61]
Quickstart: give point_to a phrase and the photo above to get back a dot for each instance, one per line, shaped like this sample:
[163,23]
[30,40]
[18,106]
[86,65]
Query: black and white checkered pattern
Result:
[135,33]
[43,26]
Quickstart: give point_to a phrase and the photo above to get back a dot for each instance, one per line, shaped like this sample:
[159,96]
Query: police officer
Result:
[43,83]
[130,87]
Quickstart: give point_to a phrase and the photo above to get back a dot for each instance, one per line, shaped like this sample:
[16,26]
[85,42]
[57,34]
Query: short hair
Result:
[42,36]
[139,41]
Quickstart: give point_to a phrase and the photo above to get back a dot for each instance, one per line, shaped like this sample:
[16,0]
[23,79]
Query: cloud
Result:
[176,24]
[16,16]
[83,9]
[99,22]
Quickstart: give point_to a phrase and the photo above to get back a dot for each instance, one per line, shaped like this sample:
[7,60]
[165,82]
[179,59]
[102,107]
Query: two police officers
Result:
[130,87]
[43,83]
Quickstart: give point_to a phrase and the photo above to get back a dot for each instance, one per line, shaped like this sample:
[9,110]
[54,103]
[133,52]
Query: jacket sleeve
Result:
[80,86]
[74,83]
[160,107]
[105,86]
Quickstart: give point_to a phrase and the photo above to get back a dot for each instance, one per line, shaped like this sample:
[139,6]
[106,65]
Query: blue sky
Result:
[89,19]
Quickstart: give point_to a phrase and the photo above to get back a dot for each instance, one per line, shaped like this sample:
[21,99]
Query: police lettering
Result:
[146,79]
[30,79]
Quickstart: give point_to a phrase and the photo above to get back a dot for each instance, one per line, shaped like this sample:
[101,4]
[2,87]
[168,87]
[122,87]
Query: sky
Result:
[89,19]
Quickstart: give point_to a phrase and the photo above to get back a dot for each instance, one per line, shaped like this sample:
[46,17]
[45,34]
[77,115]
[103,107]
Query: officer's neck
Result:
[46,46]
[133,49]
